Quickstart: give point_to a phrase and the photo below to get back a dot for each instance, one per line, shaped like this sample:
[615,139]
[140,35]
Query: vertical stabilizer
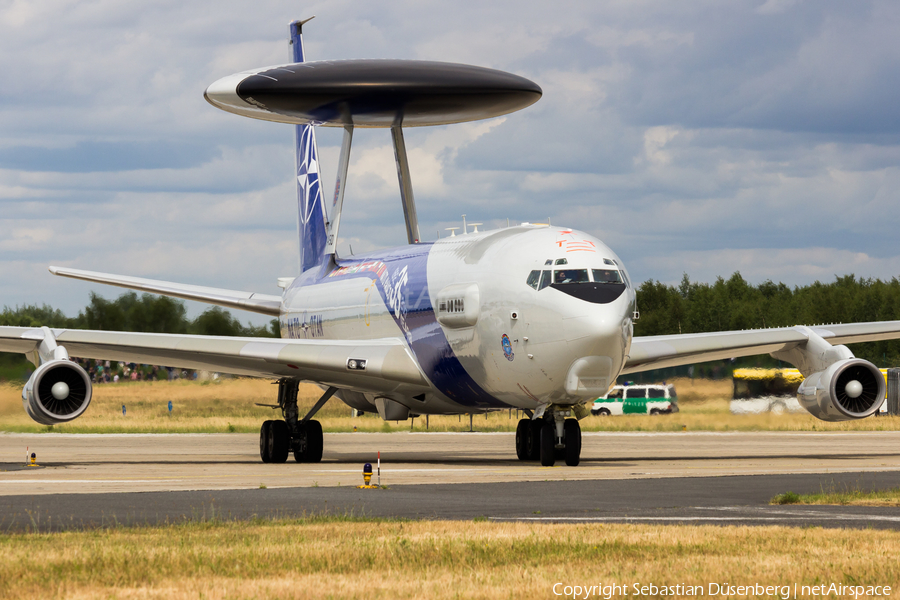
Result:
[310,206]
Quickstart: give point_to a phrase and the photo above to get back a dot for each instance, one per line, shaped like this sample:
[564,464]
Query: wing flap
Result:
[260,303]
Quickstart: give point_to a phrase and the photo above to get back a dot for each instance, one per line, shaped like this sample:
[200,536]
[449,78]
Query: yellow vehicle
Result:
[770,390]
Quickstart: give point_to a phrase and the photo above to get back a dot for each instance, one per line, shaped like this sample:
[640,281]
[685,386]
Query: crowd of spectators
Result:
[105,371]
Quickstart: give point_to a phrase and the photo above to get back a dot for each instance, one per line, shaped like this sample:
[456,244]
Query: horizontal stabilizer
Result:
[260,303]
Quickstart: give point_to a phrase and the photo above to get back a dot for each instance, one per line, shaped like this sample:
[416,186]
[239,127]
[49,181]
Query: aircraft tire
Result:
[300,455]
[548,444]
[279,441]
[523,429]
[264,442]
[533,440]
[314,442]
[572,432]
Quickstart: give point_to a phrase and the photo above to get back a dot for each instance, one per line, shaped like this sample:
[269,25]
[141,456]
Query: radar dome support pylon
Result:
[377,93]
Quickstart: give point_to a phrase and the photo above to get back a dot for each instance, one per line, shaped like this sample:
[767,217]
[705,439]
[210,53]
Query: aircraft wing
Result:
[660,351]
[261,303]
[389,364]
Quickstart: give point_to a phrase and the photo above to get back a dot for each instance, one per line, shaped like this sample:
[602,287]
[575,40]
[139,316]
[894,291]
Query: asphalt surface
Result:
[723,500]
[123,463]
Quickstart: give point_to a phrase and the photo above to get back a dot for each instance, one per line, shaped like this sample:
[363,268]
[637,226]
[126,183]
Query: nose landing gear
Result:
[304,436]
[549,437]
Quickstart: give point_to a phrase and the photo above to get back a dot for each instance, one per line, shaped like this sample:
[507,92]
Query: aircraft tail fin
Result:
[311,226]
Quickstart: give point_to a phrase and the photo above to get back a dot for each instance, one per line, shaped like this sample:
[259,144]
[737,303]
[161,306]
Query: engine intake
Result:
[847,389]
[57,392]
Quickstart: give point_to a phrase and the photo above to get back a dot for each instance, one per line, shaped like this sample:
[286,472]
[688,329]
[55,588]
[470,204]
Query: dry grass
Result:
[345,558]
[225,405]
[847,497]
[229,405]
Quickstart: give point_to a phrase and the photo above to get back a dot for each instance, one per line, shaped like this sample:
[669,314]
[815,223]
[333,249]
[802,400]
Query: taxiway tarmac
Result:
[137,462]
[663,477]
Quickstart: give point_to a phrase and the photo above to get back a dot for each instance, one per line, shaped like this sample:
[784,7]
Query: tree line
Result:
[734,304]
[128,312]
[690,307]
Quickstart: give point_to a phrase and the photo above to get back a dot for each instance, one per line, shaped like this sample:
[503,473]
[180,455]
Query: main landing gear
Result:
[302,436]
[548,438]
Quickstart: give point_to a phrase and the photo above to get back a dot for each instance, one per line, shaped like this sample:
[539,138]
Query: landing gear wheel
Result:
[264,435]
[548,444]
[572,432]
[308,449]
[533,440]
[279,441]
[522,433]
[299,444]
[314,442]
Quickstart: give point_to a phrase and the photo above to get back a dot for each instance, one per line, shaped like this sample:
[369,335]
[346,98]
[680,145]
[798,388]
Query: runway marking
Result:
[609,519]
[803,515]
[91,480]
[812,513]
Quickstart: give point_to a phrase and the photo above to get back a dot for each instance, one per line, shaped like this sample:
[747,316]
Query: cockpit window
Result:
[533,278]
[549,261]
[545,280]
[570,276]
[606,276]
[562,261]
[624,274]
[609,261]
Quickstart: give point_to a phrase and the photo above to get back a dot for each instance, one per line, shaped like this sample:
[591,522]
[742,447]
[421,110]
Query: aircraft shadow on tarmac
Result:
[466,461]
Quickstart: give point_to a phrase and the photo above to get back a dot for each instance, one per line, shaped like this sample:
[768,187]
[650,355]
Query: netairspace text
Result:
[784,592]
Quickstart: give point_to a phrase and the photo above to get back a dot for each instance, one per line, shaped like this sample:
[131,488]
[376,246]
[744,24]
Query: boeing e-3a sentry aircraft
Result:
[531,317]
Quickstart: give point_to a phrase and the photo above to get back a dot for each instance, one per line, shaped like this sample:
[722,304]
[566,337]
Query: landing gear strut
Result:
[304,436]
[549,437]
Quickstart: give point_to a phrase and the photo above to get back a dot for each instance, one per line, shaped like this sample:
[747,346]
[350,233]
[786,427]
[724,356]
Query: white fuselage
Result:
[484,330]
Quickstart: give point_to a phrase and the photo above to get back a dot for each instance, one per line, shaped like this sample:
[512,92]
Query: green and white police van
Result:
[654,399]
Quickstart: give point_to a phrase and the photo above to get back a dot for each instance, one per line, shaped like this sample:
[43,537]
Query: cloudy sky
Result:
[700,137]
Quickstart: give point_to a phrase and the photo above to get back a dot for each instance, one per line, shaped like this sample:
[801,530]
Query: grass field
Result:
[347,557]
[354,558]
[848,497]
[230,405]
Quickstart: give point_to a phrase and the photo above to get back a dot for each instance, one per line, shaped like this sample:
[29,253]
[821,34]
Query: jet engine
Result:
[57,392]
[848,389]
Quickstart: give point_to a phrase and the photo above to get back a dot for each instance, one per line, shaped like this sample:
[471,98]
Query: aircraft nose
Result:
[595,335]
[597,347]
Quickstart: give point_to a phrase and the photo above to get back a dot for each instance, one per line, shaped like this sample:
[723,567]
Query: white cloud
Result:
[797,266]
[701,137]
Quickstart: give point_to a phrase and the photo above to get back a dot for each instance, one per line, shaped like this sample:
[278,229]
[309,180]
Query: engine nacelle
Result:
[57,392]
[848,389]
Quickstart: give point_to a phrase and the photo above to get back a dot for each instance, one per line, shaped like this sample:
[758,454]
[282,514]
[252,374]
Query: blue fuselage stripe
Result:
[401,277]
